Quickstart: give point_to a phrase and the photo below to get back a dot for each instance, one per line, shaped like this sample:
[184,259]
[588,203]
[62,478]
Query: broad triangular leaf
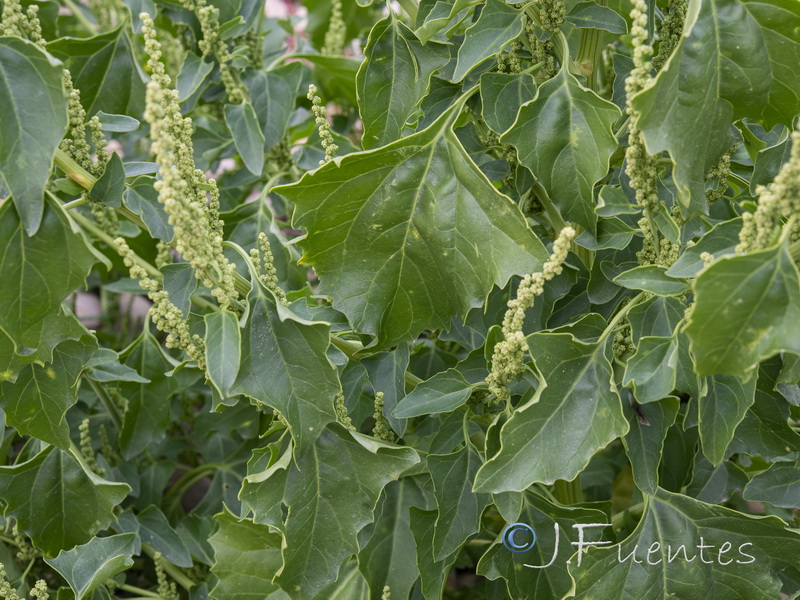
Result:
[576,409]
[721,409]
[405,236]
[331,490]
[393,79]
[33,123]
[564,137]
[747,308]
[284,365]
[734,60]
[92,564]
[57,501]
[32,271]
[673,526]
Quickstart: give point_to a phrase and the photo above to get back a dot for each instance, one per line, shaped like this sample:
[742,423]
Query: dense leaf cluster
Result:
[314,306]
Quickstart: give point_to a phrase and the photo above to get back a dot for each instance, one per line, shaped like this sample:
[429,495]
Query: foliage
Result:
[373,281]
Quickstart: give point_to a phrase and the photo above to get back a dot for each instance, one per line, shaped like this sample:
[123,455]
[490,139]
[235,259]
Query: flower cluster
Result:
[508,359]
[670,32]
[509,62]
[720,173]
[166,588]
[777,201]
[183,188]
[341,412]
[166,316]
[87,450]
[387,593]
[641,167]
[551,14]
[39,590]
[325,134]
[541,52]
[212,43]
[336,36]
[15,22]
[382,429]
[264,263]
[75,144]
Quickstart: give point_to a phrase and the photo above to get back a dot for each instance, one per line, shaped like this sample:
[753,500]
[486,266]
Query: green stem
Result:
[136,590]
[589,58]
[568,492]
[106,401]
[651,223]
[612,325]
[76,203]
[177,574]
[636,511]
[557,222]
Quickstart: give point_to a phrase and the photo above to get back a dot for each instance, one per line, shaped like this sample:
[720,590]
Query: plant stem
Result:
[557,222]
[76,203]
[106,401]
[568,492]
[612,325]
[177,574]
[618,520]
[136,590]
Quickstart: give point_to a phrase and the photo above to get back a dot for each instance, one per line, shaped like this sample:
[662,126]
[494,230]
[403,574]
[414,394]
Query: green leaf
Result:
[33,122]
[659,316]
[653,279]
[92,564]
[246,558]
[611,233]
[193,74]
[30,271]
[524,582]
[155,530]
[388,558]
[109,187]
[180,283]
[433,573]
[247,136]
[565,138]
[596,16]
[576,389]
[104,69]
[37,403]
[652,369]
[747,308]
[497,25]
[757,547]
[331,491]
[387,374]
[644,443]
[444,392]
[105,366]
[778,485]
[393,79]
[444,13]
[733,61]
[720,241]
[431,253]
[273,94]
[223,349]
[459,507]
[336,76]
[57,501]
[147,411]
[142,198]
[721,410]
[502,95]
[284,365]
[117,123]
